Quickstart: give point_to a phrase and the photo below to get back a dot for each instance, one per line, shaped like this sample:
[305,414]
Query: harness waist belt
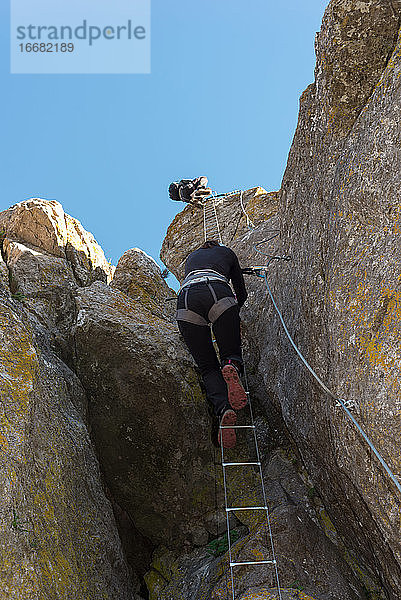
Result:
[202,276]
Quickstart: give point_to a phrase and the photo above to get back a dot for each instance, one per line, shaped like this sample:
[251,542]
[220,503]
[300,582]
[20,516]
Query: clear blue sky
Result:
[222,101]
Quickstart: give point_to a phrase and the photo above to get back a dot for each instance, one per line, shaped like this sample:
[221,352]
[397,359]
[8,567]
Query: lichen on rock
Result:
[59,537]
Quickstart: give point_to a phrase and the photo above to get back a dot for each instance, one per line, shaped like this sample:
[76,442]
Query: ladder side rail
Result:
[217,221]
[228,523]
[263,489]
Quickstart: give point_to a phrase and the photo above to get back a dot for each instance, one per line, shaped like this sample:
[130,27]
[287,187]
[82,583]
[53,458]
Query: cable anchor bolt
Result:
[347,403]
[258,271]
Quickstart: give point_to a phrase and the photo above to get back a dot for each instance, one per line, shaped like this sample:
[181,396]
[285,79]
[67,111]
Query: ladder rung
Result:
[253,562]
[247,508]
[237,426]
[236,464]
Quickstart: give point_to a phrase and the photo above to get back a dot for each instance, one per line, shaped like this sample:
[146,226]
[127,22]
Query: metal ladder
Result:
[210,220]
[264,507]
[211,225]
[212,231]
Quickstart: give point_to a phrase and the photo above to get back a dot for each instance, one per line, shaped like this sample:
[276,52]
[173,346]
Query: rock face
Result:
[338,216]
[346,272]
[138,276]
[43,224]
[59,538]
[49,255]
[45,282]
[145,405]
[310,561]
[146,409]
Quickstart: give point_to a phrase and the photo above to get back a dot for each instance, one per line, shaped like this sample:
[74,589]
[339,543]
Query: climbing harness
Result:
[216,310]
[201,276]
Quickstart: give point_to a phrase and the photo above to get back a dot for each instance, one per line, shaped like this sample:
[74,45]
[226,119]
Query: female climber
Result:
[206,297]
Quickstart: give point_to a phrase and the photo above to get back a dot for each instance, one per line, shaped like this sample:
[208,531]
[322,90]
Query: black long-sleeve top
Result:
[224,261]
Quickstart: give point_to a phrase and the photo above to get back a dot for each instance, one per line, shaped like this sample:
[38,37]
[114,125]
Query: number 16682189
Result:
[47,47]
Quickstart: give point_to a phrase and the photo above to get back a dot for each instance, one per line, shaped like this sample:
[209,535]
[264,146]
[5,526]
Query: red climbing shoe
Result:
[227,437]
[236,393]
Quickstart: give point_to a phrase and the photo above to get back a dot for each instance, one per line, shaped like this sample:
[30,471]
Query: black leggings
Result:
[226,330]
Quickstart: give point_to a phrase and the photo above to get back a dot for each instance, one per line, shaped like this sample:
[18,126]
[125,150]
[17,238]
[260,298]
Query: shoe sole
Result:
[236,394]
[227,437]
